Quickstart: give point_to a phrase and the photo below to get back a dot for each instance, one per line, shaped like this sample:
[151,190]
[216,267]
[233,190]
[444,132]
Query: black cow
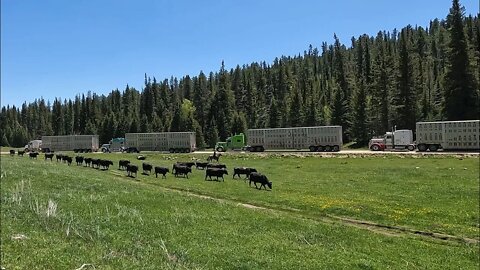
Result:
[122,164]
[95,163]
[132,169]
[146,168]
[105,164]
[88,161]
[68,160]
[215,172]
[12,152]
[20,153]
[201,165]
[79,160]
[33,155]
[65,158]
[161,170]
[256,177]
[243,170]
[182,164]
[58,157]
[216,166]
[48,156]
[181,170]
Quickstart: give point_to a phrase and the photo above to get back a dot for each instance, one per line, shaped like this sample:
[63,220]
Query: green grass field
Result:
[56,216]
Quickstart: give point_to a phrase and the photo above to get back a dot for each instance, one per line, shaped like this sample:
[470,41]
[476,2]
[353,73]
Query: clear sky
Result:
[59,48]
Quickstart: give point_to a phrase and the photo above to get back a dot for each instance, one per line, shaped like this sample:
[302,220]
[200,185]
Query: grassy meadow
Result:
[56,216]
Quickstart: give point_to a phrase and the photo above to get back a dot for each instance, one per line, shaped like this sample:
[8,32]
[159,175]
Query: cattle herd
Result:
[179,169]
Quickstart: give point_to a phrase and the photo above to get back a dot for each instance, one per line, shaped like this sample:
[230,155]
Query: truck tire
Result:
[336,148]
[375,147]
[433,148]
[320,148]
[411,148]
[328,148]
[104,150]
[171,150]
[261,149]
[422,147]
[312,148]
[220,149]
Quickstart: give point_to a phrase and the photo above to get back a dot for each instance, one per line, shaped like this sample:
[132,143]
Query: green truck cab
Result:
[235,142]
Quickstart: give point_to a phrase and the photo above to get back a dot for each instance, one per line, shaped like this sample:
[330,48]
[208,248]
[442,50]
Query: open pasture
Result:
[57,216]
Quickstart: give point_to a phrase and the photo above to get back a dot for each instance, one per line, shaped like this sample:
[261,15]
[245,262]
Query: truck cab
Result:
[105,148]
[235,142]
[35,145]
[396,140]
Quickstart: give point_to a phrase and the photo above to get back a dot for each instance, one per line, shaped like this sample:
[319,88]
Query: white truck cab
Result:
[396,140]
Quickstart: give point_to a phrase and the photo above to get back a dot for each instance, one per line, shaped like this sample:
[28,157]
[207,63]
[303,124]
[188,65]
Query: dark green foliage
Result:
[395,78]
[239,124]
[461,94]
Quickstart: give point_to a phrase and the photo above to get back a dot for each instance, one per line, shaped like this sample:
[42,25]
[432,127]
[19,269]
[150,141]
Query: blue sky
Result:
[58,48]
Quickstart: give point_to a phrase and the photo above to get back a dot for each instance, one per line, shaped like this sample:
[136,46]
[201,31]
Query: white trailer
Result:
[448,135]
[318,138]
[174,142]
[76,143]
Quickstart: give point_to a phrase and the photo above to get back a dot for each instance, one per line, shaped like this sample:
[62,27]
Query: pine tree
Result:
[406,103]
[461,99]
[275,116]
[239,124]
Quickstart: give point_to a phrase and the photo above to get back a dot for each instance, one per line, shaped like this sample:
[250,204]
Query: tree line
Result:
[375,83]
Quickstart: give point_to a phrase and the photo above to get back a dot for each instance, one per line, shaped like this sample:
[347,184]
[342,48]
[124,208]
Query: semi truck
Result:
[76,143]
[235,142]
[448,135]
[315,139]
[174,142]
[114,145]
[35,145]
[396,140]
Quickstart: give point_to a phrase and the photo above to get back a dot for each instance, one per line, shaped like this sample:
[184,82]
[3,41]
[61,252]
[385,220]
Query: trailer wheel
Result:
[433,148]
[220,149]
[328,148]
[312,148]
[336,148]
[320,148]
[422,147]
[411,148]
[170,150]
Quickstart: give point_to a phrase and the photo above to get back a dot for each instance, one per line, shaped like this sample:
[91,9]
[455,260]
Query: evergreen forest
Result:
[368,86]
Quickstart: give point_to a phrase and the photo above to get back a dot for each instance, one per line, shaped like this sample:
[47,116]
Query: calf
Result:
[20,153]
[132,169]
[182,170]
[215,172]
[256,177]
[12,152]
[201,165]
[33,155]
[146,168]
[243,170]
[58,157]
[48,156]
[161,170]
[79,160]
[122,164]
[105,164]
[88,161]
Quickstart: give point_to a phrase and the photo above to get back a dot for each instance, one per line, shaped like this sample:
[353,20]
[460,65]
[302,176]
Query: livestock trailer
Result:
[448,135]
[174,142]
[76,143]
[317,138]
